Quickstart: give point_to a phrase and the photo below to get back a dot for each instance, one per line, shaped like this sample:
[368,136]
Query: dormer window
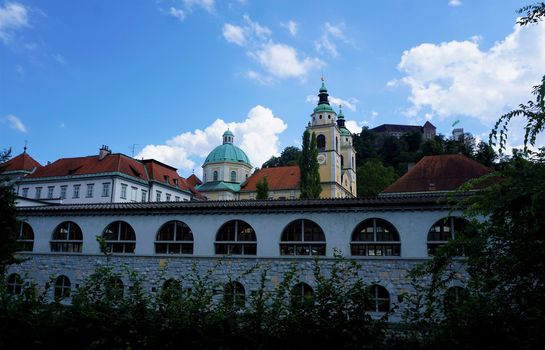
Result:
[167,179]
[175,182]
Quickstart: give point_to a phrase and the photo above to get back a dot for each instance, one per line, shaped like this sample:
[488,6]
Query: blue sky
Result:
[168,77]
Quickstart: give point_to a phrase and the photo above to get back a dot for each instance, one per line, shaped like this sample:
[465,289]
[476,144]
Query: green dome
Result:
[323,108]
[227,153]
[228,133]
[345,132]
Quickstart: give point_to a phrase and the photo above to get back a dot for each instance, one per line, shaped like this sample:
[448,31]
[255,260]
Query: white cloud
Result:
[177,13]
[208,5]
[282,61]
[16,123]
[458,78]
[354,126]
[335,102]
[454,3]
[13,16]
[250,31]
[257,135]
[329,39]
[234,34]
[291,26]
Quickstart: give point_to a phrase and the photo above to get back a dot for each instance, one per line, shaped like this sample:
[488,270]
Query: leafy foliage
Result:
[9,225]
[310,176]
[374,177]
[289,156]
[262,187]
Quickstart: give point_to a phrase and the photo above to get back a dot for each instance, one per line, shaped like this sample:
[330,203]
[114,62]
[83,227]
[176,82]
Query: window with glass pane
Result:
[302,237]
[62,287]
[174,237]
[236,237]
[14,284]
[26,238]
[447,229]
[67,238]
[234,294]
[120,237]
[378,299]
[375,237]
[302,293]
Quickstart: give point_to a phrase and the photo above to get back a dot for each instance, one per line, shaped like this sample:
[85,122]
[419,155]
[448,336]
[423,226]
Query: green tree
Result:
[262,187]
[374,177]
[9,224]
[503,306]
[365,145]
[310,176]
[289,156]
[485,154]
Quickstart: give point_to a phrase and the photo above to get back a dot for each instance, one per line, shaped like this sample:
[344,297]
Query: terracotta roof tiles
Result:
[278,178]
[21,162]
[438,173]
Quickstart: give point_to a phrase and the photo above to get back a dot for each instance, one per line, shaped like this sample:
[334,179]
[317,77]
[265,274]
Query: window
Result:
[67,237]
[236,237]
[50,190]
[172,290]
[14,284]
[157,196]
[124,191]
[453,296]
[234,294]
[302,237]
[175,181]
[26,238]
[38,192]
[375,237]
[105,189]
[76,191]
[446,229]
[167,197]
[174,237]
[120,237]
[215,175]
[302,293]
[115,287]
[63,191]
[167,179]
[90,190]
[62,288]
[337,143]
[342,161]
[25,192]
[320,143]
[177,198]
[144,196]
[378,299]
[233,176]
[134,190]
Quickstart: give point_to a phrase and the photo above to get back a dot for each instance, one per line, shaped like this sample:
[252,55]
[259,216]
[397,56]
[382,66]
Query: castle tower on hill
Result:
[336,153]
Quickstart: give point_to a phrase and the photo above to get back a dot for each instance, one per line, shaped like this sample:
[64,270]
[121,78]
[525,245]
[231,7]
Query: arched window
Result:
[172,290]
[379,299]
[67,237]
[446,229]
[62,287]
[375,237]
[320,143]
[342,161]
[116,287]
[120,237]
[233,176]
[14,284]
[302,293]
[302,237]
[174,237]
[26,238]
[453,296]
[236,237]
[215,175]
[234,294]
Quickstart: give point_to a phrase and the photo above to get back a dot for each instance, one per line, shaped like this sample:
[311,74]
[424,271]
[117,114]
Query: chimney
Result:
[103,152]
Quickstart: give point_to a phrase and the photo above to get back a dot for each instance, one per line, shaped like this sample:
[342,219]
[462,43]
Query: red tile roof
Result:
[193,180]
[166,174]
[438,173]
[278,178]
[92,165]
[21,162]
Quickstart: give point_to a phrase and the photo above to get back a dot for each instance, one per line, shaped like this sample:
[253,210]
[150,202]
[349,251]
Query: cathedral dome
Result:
[227,152]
